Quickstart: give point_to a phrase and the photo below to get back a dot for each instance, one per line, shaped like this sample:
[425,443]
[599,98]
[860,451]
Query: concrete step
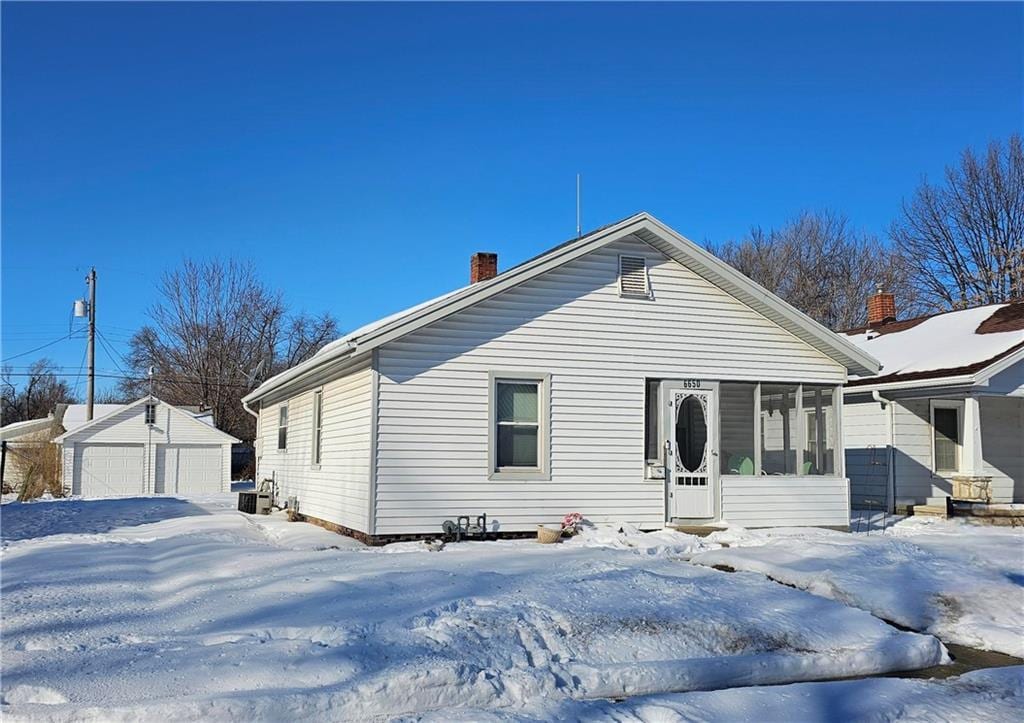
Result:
[930,510]
[936,501]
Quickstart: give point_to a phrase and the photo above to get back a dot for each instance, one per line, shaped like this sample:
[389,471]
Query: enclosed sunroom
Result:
[750,451]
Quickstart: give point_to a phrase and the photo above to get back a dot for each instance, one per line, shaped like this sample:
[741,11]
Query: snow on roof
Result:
[24,427]
[380,323]
[954,342]
[75,416]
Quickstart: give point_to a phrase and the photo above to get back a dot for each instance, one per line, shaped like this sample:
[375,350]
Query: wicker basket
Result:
[547,536]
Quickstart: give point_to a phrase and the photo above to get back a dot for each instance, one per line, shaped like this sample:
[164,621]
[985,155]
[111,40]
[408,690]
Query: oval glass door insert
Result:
[691,434]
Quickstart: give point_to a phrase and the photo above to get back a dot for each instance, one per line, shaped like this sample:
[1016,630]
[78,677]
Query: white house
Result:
[628,375]
[945,415]
[144,447]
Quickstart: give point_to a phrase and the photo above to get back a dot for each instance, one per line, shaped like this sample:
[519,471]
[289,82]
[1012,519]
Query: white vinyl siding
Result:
[598,347]
[338,489]
[787,501]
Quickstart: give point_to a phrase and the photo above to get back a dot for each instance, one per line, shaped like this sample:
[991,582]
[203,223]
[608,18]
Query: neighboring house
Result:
[19,438]
[628,375]
[144,447]
[945,415]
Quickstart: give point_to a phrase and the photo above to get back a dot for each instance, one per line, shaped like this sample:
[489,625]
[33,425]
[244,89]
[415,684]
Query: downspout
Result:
[891,477]
[256,415]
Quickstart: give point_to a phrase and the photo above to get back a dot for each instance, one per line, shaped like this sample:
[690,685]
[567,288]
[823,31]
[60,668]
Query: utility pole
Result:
[91,352]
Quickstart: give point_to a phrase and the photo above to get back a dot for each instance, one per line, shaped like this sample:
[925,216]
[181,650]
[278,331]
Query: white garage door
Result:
[109,469]
[189,469]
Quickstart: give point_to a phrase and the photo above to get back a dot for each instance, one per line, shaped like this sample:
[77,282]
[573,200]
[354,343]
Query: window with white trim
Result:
[518,437]
[947,434]
[282,427]
[150,414]
[318,424]
[633,279]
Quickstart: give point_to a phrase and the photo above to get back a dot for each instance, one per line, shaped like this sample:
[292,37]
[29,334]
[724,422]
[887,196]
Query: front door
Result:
[690,448]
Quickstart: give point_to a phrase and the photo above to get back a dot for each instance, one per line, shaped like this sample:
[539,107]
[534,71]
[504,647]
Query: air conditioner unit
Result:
[254,503]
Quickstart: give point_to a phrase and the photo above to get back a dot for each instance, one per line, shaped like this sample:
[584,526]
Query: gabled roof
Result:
[967,345]
[74,415]
[119,408]
[642,226]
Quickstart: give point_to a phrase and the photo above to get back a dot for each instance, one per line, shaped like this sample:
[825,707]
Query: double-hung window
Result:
[150,414]
[318,424]
[947,426]
[518,447]
[282,427]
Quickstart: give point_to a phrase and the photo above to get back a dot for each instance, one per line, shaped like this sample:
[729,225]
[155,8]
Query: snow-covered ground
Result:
[983,695]
[165,609]
[963,583]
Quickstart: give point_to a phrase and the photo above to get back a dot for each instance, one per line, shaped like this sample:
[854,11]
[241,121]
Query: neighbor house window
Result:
[779,439]
[282,427]
[518,432]
[318,424]
[150,414]
[736,431]
[820,429]
[947,423]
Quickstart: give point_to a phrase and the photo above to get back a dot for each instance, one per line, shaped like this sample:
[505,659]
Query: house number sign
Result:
[691,383]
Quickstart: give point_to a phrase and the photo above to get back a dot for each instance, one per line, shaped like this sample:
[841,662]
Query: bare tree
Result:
[964,239]
[216,332]
[37,397]
[821,265]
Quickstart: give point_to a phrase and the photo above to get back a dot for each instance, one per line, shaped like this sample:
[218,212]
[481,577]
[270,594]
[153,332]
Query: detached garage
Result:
[147,447]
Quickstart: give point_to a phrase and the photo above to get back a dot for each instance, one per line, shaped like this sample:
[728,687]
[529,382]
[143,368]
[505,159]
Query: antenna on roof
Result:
[579,226]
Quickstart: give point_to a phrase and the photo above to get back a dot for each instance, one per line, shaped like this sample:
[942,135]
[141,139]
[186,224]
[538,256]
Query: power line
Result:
[110,352]
[78,384]
[38,348]
[201,381]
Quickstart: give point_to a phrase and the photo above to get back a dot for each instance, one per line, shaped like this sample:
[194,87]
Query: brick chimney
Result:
[881,308]
[482,266]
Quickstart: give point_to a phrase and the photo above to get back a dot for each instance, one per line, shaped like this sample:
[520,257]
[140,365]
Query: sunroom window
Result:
[779,429]
[736,415]
[820,426]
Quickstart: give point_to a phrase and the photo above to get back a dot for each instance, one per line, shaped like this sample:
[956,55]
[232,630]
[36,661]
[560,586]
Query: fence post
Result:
[3,461]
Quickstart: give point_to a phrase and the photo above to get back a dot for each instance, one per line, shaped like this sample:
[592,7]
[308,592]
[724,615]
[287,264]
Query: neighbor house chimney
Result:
[482,266]
[881,308]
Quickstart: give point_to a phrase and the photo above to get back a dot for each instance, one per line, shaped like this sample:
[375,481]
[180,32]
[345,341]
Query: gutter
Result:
[959,381]
[296,372]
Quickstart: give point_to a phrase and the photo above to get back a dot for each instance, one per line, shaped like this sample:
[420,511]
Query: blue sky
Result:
[359,153]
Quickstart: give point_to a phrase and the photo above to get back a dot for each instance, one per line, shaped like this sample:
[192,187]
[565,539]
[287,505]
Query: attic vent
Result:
[633,276]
